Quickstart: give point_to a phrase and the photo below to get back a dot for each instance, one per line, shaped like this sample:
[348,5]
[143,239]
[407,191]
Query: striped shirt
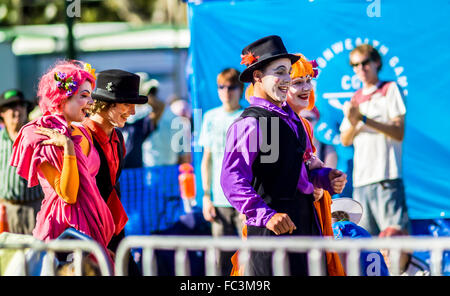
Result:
[12,186]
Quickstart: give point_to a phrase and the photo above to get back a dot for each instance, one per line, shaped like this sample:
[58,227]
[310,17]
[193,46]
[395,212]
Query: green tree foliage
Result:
[36,12]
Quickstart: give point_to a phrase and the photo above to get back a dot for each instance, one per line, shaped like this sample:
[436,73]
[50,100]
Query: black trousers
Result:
[302,212]
[226,223]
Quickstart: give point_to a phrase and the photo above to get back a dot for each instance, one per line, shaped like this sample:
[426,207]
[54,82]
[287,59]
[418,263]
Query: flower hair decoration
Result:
[248,59]
[308,157]
[314,65]
[88,68]
[65,83]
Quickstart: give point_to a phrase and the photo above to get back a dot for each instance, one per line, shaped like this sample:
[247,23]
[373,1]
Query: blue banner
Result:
[412,38]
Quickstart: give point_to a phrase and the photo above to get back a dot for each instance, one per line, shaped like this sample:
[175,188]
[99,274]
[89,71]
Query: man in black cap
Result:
[114,98]
[21,203]
[264,175]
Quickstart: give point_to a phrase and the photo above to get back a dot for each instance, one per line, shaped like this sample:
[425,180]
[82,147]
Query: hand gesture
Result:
[318,193]
[354,115]
[209,212]
[55,137]
[338,180]
[281,223]
[316,163]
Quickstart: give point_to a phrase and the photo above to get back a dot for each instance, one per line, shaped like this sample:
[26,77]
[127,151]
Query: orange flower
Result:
[248,59]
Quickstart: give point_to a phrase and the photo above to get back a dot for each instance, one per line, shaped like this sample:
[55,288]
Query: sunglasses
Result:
[363,63]
[231,87]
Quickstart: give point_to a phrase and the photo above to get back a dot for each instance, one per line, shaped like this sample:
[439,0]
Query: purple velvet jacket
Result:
[236,174]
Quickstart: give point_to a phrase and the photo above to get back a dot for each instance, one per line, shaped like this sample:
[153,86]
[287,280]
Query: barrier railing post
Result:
[244,256]
[181,262]
[394,258]
[78,262]
[436,262]
[211,265]
[280,248]
[280,262]
[45,254]
[121,263]
[23,261]
[49,263]
[315,264]
[353,268]
[149,267]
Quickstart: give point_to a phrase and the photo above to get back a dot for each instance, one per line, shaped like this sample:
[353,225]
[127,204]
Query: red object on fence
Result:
[4,227]
[187,181]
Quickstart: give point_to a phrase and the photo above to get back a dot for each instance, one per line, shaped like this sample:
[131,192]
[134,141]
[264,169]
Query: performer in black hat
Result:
[115,97]
[264,175]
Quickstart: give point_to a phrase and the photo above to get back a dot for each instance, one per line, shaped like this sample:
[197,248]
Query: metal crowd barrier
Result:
[313,246]
[49,250]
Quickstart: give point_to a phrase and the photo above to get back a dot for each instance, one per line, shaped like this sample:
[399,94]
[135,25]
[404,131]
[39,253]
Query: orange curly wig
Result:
[303,68]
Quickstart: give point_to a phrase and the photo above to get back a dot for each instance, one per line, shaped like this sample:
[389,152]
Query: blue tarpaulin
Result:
[412,37]
[151,199]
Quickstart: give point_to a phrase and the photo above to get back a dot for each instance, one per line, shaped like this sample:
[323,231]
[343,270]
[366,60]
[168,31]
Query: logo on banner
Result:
[338,82]
[349,83]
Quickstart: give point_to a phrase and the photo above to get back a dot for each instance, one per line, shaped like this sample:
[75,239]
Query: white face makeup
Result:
[299,92]
[77,106]
[276,79]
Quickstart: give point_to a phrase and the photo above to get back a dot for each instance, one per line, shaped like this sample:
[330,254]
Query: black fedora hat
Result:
[15,96]
[261,52]
[118,86]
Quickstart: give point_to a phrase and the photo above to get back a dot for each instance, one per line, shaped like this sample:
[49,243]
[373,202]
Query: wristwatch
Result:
[364,118]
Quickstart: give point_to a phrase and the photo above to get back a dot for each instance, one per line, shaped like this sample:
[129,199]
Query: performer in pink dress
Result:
[57,153]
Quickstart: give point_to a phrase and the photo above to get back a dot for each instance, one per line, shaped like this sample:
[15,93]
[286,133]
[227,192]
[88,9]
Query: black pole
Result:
[70,51]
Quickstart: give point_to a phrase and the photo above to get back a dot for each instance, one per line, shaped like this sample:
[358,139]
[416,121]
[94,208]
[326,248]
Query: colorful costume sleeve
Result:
[236,175]
[84,144]
[65,183]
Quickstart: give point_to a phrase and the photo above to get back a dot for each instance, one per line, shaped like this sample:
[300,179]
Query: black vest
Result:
[103,177]
[276,182]
[104,183]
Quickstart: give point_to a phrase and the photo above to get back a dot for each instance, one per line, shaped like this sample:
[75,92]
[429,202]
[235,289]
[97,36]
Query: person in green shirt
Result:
[21,202]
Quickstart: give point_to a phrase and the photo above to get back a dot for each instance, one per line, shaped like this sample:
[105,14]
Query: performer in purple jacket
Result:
[265,172]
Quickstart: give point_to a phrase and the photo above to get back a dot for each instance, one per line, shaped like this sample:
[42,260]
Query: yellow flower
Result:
[88,68]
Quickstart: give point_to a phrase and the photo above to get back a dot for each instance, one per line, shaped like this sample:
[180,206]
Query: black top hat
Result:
[14,96]
[118,86]
[261,52]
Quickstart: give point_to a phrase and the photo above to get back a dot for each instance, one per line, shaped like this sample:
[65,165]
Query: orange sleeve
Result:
[309,131]
[67,182]
[323,210]
[85,146]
